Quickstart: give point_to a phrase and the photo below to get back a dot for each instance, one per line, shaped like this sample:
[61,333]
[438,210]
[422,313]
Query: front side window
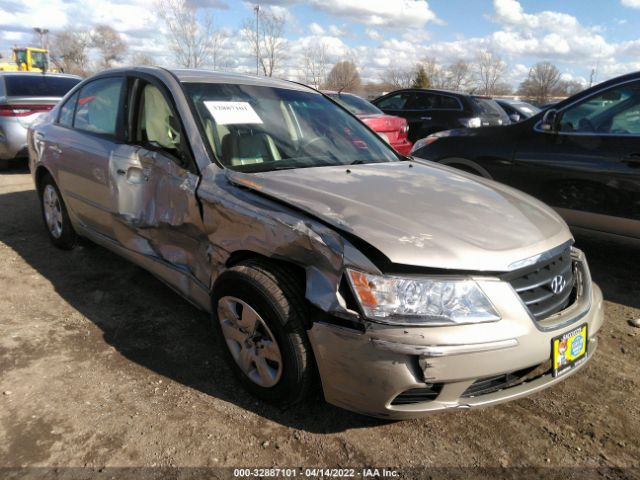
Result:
[157,126]
[66,111]
[98,106]
[254,128]
[616,111]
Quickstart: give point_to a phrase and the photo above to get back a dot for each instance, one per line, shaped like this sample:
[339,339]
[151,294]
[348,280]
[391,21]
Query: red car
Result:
[392,129]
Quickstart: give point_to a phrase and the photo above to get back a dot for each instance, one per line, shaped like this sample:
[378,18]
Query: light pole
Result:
[44,41]
[257,9]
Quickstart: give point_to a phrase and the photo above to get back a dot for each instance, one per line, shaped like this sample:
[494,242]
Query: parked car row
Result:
[582,156]
[24,96]
[398,286]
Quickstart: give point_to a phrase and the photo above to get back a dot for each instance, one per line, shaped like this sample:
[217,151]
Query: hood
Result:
[421,214]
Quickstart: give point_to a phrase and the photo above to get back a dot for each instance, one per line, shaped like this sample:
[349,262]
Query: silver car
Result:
[401,287]
[24,96]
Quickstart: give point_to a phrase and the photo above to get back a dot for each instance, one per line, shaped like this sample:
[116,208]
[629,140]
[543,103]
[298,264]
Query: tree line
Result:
[193,41]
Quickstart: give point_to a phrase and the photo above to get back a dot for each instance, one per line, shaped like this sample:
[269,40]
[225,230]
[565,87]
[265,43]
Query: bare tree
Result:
[436,74]
[460,76]
[490,69]
[541,83]
[566,88]
[268,43]
[399,77]
[344,76]
[69,50]
[192,36]
[315,64]
[142,58]
[111,45]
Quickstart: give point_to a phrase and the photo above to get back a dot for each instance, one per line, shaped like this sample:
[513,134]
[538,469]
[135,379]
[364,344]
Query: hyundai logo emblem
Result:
[557,284]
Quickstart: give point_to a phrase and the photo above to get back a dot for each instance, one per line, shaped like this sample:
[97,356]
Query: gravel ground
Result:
[101,365]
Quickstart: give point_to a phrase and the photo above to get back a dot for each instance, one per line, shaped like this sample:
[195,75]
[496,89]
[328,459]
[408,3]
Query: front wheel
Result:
[258,316]
[55,216]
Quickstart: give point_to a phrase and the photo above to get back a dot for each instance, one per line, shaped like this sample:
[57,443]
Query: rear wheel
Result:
[258,316]
[4,165]
[55,216]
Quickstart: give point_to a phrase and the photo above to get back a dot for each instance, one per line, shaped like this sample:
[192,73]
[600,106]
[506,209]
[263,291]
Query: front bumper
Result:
[366,372]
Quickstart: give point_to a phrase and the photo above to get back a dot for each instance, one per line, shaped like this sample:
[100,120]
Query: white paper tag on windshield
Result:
[230,113]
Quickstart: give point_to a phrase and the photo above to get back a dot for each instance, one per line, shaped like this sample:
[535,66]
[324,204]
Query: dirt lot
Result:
[102,365]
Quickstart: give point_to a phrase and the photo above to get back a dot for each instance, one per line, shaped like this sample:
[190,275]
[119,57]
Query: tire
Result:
[271,292]
[4,165]
[55,216]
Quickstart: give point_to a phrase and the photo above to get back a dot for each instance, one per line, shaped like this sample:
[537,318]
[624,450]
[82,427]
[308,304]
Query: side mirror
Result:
[549,120]
[515,117]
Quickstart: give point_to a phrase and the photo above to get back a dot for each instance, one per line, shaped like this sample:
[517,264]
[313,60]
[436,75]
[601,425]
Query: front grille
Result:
[534,284]
[488,385]
[418,395]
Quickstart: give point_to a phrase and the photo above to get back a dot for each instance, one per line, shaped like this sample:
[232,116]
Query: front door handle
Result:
[55,148]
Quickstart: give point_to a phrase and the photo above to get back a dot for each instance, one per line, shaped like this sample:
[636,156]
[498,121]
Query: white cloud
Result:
[372,34]
[316,29]
[631,3]
[337,31]
[384,13]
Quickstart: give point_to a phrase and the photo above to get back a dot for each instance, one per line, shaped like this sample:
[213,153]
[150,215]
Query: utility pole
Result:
[257,9]
[43,33]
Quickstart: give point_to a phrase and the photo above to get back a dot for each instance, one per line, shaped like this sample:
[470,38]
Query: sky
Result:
[582,37]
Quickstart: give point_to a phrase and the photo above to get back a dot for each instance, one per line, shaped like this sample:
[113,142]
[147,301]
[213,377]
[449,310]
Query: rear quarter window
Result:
[38,85]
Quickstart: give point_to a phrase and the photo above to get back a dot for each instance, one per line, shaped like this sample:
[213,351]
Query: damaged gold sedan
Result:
[401,286]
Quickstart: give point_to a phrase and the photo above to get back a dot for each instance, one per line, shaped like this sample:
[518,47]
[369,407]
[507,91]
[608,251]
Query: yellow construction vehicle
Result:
[27,59]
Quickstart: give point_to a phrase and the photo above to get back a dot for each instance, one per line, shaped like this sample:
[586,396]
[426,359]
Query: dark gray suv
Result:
[430,111]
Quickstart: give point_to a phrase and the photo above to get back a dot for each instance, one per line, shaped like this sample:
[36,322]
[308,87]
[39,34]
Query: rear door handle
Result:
[425,118]
[55,148]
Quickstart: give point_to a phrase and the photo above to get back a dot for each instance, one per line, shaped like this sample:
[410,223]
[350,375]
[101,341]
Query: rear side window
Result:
[38,85]
[66,111]
[422,101]
[449,103]
[98,105]
[394,102]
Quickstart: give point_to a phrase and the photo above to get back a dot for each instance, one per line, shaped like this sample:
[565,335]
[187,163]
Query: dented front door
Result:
[156,213]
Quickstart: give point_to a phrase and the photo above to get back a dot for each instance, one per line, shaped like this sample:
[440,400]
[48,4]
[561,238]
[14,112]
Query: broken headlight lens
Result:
[421,301]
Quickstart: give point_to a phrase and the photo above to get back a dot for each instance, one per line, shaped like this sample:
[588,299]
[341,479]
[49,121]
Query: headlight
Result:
[474,122]
[421,301]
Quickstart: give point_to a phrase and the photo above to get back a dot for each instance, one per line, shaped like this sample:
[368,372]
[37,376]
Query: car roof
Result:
[432,90]
[510,101]
[185,75]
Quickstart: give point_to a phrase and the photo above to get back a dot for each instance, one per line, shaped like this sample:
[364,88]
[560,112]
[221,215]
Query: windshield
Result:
[355,104]
[256,129]
[38,85]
